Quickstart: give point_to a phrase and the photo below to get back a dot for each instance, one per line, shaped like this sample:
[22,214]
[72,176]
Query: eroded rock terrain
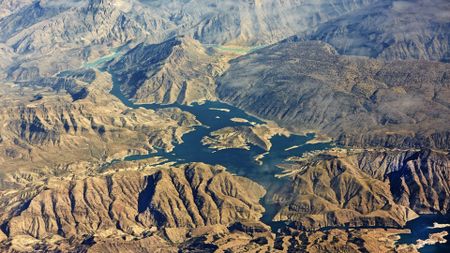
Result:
[244,136]
[80,122]
[368,75]
[139,204]
[364,187]
[420,31]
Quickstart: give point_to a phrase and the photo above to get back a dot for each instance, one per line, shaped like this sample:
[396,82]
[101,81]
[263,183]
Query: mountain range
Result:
[88,86]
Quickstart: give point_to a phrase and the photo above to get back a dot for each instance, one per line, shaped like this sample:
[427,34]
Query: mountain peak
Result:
[178,70]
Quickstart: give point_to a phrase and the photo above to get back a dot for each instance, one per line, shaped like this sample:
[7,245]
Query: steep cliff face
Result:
[357,101]
[178,70]
[391,30]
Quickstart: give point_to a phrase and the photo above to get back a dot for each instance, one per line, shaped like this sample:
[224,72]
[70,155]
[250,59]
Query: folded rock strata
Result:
[179,70]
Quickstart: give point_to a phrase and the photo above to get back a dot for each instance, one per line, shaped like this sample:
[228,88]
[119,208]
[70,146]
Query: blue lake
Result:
[216,115]
[421,229]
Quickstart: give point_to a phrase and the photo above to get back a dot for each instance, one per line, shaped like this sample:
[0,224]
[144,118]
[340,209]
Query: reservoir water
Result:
[217,115]
[421,229]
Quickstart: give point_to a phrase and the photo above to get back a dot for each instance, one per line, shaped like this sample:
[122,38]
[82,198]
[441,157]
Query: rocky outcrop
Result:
[418,179]
[199,196]
[179,70]
[308,86]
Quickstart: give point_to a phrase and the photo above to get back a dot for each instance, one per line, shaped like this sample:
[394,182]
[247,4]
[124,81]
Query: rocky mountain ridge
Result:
[363,187]
[136,205]
[79,31]
[62,189]
[179,70]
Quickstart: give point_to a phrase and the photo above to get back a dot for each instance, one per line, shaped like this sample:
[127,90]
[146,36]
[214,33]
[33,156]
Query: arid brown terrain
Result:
[101,100]
[308,86]
[43,127]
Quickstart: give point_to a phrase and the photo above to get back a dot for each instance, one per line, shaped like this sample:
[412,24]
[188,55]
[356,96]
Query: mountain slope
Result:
[370,74]
[216,22]
[178,70]
[413,29]
[328,190]
[307,86]
[364,187]
[51,36]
